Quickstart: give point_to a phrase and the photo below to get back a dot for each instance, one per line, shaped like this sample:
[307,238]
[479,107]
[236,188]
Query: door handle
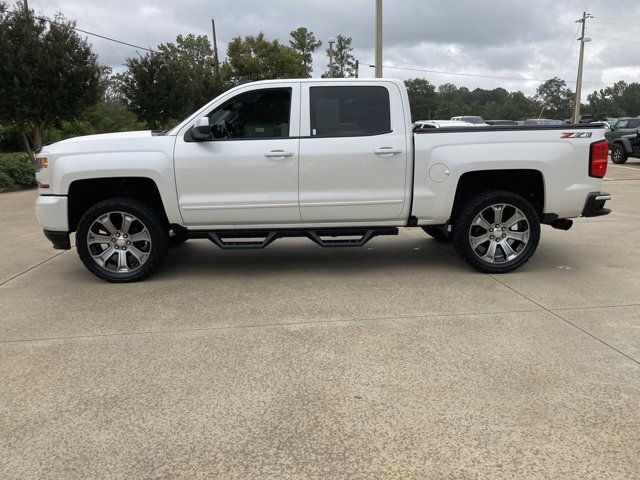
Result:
[387,151]
[278,154]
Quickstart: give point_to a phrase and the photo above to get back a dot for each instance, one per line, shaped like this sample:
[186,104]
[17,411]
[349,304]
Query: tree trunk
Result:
[27,146]
[33,144]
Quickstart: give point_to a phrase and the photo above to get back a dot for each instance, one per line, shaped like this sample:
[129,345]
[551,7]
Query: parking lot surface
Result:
[395,360]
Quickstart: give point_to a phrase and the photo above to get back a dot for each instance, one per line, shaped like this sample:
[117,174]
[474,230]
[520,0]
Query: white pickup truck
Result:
[335,161]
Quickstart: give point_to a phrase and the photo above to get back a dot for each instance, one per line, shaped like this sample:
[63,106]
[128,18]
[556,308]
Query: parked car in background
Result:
[606,124]
[624,147]
[612,120]
[471,119]
[429,124]
[542,121]
[624,126]
[501,122]
[587,119]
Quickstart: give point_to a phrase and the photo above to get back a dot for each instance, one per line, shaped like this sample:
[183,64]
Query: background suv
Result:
[624,126]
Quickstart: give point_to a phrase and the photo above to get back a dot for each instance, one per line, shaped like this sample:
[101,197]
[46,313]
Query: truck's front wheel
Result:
[496,232]
[122,240]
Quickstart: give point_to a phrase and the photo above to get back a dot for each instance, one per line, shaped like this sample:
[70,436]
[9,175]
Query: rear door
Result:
[353,152]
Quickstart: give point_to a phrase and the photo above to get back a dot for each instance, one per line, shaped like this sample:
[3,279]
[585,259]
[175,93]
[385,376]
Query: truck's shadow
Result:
[204,258]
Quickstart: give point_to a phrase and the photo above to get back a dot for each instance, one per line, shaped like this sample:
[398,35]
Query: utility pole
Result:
[331,42]
[26,6]
[583,40]
[378,38]
[216,62]
[357,68]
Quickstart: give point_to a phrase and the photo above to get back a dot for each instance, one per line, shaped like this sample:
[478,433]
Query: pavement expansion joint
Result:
[267,325]
[567,321]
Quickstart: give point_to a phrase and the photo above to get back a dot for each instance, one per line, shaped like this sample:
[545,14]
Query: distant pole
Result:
[357,68]
[26,6]
[378,38]
[576,106]
[331,42]
[216,62]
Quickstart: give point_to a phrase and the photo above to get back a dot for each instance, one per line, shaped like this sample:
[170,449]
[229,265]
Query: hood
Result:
[102,142]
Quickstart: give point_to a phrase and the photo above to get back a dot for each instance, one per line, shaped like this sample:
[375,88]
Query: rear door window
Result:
[349,111]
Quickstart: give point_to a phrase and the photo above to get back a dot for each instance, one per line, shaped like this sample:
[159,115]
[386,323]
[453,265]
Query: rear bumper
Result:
[594,206]
[60,240]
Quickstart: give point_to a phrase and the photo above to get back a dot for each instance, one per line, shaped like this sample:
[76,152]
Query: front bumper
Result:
[52,212]
[594,206]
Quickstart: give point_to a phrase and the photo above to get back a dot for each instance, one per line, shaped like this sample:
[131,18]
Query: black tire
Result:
[148,222]
[618,154]
[177,238]
[438,233]
[479,205]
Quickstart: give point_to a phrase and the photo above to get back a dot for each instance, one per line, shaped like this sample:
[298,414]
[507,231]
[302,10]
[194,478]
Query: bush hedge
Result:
[16,169]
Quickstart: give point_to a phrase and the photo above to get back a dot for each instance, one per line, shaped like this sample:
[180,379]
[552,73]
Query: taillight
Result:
[598,159]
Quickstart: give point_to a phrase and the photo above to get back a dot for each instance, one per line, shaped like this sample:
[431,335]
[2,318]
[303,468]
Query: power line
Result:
[597,15]
[86,32]
[522,79]
[617,39]
[568,51]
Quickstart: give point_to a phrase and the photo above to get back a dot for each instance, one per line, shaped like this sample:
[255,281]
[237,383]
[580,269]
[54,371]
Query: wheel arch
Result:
[528,183]
[83,194]
[626,144]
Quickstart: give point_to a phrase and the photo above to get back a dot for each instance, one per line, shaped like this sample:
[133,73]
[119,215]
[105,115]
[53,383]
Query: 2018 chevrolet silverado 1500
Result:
[332,160]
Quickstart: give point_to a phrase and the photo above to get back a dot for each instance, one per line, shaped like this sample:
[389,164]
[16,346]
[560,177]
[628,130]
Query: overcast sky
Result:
[532,39]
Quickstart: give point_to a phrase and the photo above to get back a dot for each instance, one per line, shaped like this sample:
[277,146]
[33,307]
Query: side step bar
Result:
[328,238]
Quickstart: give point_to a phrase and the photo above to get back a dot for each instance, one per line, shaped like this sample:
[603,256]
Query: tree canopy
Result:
[256,58]
[344,63]
[161,88]
[555,99]
[48,74]
[304,42]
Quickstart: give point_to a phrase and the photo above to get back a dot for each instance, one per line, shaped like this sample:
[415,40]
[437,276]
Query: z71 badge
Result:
[576,135]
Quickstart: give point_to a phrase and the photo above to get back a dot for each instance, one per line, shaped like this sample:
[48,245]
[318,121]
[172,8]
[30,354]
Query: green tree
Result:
[344,63]
[256,58]
[304,42]
[555,99]
[161,88]
[607,102]
[422,98]
[48,74]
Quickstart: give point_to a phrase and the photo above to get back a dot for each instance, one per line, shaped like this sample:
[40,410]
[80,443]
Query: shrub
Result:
[5,181]
[18,168]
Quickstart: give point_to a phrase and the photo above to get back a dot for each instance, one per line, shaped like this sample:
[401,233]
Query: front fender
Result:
[156,166]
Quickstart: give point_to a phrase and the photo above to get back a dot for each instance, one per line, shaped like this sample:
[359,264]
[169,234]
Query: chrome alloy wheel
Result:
[119,242]
[499,233]
[616,154]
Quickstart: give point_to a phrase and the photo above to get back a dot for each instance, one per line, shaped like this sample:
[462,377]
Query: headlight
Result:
[43,162]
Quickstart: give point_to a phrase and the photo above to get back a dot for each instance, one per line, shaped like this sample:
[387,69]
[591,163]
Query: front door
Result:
[247,172]
[353,153]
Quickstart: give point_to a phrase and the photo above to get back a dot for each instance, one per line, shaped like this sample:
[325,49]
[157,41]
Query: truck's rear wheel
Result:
[122,240]
[618,154]
[496,232]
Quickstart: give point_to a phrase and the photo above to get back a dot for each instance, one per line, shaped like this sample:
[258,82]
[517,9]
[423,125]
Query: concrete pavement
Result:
[394,360]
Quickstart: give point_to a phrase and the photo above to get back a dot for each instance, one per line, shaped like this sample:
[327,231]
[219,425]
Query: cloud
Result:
[509,38]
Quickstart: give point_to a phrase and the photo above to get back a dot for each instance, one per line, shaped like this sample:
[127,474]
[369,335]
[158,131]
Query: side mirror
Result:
[201,130]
